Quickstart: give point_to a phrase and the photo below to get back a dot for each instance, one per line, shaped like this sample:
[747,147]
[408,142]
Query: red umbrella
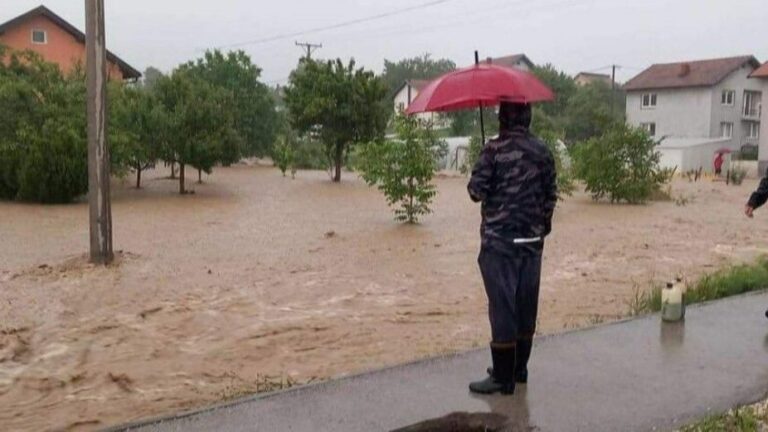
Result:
[485,84]
[478,86]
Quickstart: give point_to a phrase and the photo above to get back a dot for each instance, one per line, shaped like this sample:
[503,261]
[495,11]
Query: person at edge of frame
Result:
[756,200]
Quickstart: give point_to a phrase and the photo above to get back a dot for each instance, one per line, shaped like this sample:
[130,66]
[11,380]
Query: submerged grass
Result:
[728,282]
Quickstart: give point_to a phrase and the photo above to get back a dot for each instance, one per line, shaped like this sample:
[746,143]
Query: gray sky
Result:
[574,35]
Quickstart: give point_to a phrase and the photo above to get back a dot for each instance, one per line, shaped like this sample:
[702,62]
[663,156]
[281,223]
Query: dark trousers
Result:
[512,286]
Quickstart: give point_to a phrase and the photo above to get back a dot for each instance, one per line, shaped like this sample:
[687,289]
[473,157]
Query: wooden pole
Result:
[98,151]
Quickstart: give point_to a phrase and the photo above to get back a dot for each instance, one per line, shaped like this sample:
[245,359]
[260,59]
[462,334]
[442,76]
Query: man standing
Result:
[758,198]
[515,180]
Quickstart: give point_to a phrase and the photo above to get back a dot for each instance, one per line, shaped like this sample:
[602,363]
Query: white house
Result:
[697,106]
[761,75]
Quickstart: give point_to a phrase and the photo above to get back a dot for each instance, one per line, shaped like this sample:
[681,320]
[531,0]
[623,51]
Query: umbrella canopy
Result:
[480,85]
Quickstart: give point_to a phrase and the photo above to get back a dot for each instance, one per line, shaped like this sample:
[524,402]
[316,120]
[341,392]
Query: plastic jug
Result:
[673,302]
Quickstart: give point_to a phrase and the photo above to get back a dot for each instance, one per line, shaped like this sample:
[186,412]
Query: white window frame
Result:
[729,128]
[649,127]
[652,100]
[749,97]
[726,95]
[753,127]
[45,37]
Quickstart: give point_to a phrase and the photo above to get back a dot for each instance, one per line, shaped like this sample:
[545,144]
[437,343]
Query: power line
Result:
[337,25]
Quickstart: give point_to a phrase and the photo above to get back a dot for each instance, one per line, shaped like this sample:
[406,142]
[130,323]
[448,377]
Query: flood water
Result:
[258,275]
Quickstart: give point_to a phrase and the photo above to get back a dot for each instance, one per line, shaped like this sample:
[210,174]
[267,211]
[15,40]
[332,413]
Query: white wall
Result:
[763,151]
[402,98]
[682,113]
[738,81]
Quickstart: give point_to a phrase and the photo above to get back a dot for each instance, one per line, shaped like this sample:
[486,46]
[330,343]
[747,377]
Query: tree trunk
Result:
[173,170]
[199,176]
[181,179]
[138,177]
[339,156]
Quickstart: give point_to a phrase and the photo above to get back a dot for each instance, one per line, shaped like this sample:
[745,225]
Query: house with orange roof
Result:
[57,41]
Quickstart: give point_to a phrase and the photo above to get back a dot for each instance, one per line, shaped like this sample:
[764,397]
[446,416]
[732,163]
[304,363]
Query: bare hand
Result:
[749,211]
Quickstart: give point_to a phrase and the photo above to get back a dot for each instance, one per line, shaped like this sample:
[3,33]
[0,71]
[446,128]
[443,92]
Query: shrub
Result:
[403,168]
[283,155]
[622,165]
[736,175]
[43,149]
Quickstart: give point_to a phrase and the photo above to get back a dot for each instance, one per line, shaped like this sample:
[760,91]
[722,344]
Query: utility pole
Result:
[309,47]
[613,88]
[99,200]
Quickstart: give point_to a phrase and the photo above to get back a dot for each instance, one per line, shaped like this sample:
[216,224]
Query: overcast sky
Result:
[574,35]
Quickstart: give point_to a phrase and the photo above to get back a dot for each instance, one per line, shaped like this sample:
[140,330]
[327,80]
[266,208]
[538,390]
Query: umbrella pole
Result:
[482,120]
[482,125]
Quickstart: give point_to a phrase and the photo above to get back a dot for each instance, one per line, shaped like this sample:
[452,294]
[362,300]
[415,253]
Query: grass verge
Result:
[746,419]
[728,282]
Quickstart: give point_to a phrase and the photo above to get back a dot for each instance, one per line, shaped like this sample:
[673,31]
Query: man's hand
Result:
[749,211]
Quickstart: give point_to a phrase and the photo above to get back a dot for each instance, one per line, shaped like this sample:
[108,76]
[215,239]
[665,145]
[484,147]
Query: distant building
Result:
[518,61]
[57,41]
[407,93]
[411,88]
[761,74]
[696,106]
[584,78]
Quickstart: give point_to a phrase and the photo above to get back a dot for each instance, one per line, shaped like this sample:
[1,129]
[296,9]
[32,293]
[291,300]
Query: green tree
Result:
[253,109]
[43,153]
[420,67]
[590,112]
[284,154]
[151,76]
[137,128]
[338,104]
[198,123]
[403,168]
[622,165]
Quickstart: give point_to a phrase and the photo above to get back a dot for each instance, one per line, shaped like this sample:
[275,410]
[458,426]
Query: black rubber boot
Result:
[524,348]
[503,380]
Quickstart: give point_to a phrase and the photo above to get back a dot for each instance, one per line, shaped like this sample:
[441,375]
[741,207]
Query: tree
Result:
[420,67]
[137,129]
[253,109]
[403,168]
[43,152]
[198,122]
[590,112]
[622,165]
[151,76]
[337,103]
[284,154]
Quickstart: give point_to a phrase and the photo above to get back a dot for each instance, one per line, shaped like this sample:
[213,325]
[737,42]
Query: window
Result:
[728,97]
[39,37]
[726,130]
[649,100]
[649,127]
[753,130]
[752,100]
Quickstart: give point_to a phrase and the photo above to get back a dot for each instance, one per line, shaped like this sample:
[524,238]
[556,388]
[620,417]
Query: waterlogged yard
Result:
[256,275]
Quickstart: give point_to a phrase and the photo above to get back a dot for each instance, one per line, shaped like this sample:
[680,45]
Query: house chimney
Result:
[685,69]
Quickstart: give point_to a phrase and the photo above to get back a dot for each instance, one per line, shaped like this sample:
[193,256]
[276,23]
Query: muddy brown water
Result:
[258,275]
